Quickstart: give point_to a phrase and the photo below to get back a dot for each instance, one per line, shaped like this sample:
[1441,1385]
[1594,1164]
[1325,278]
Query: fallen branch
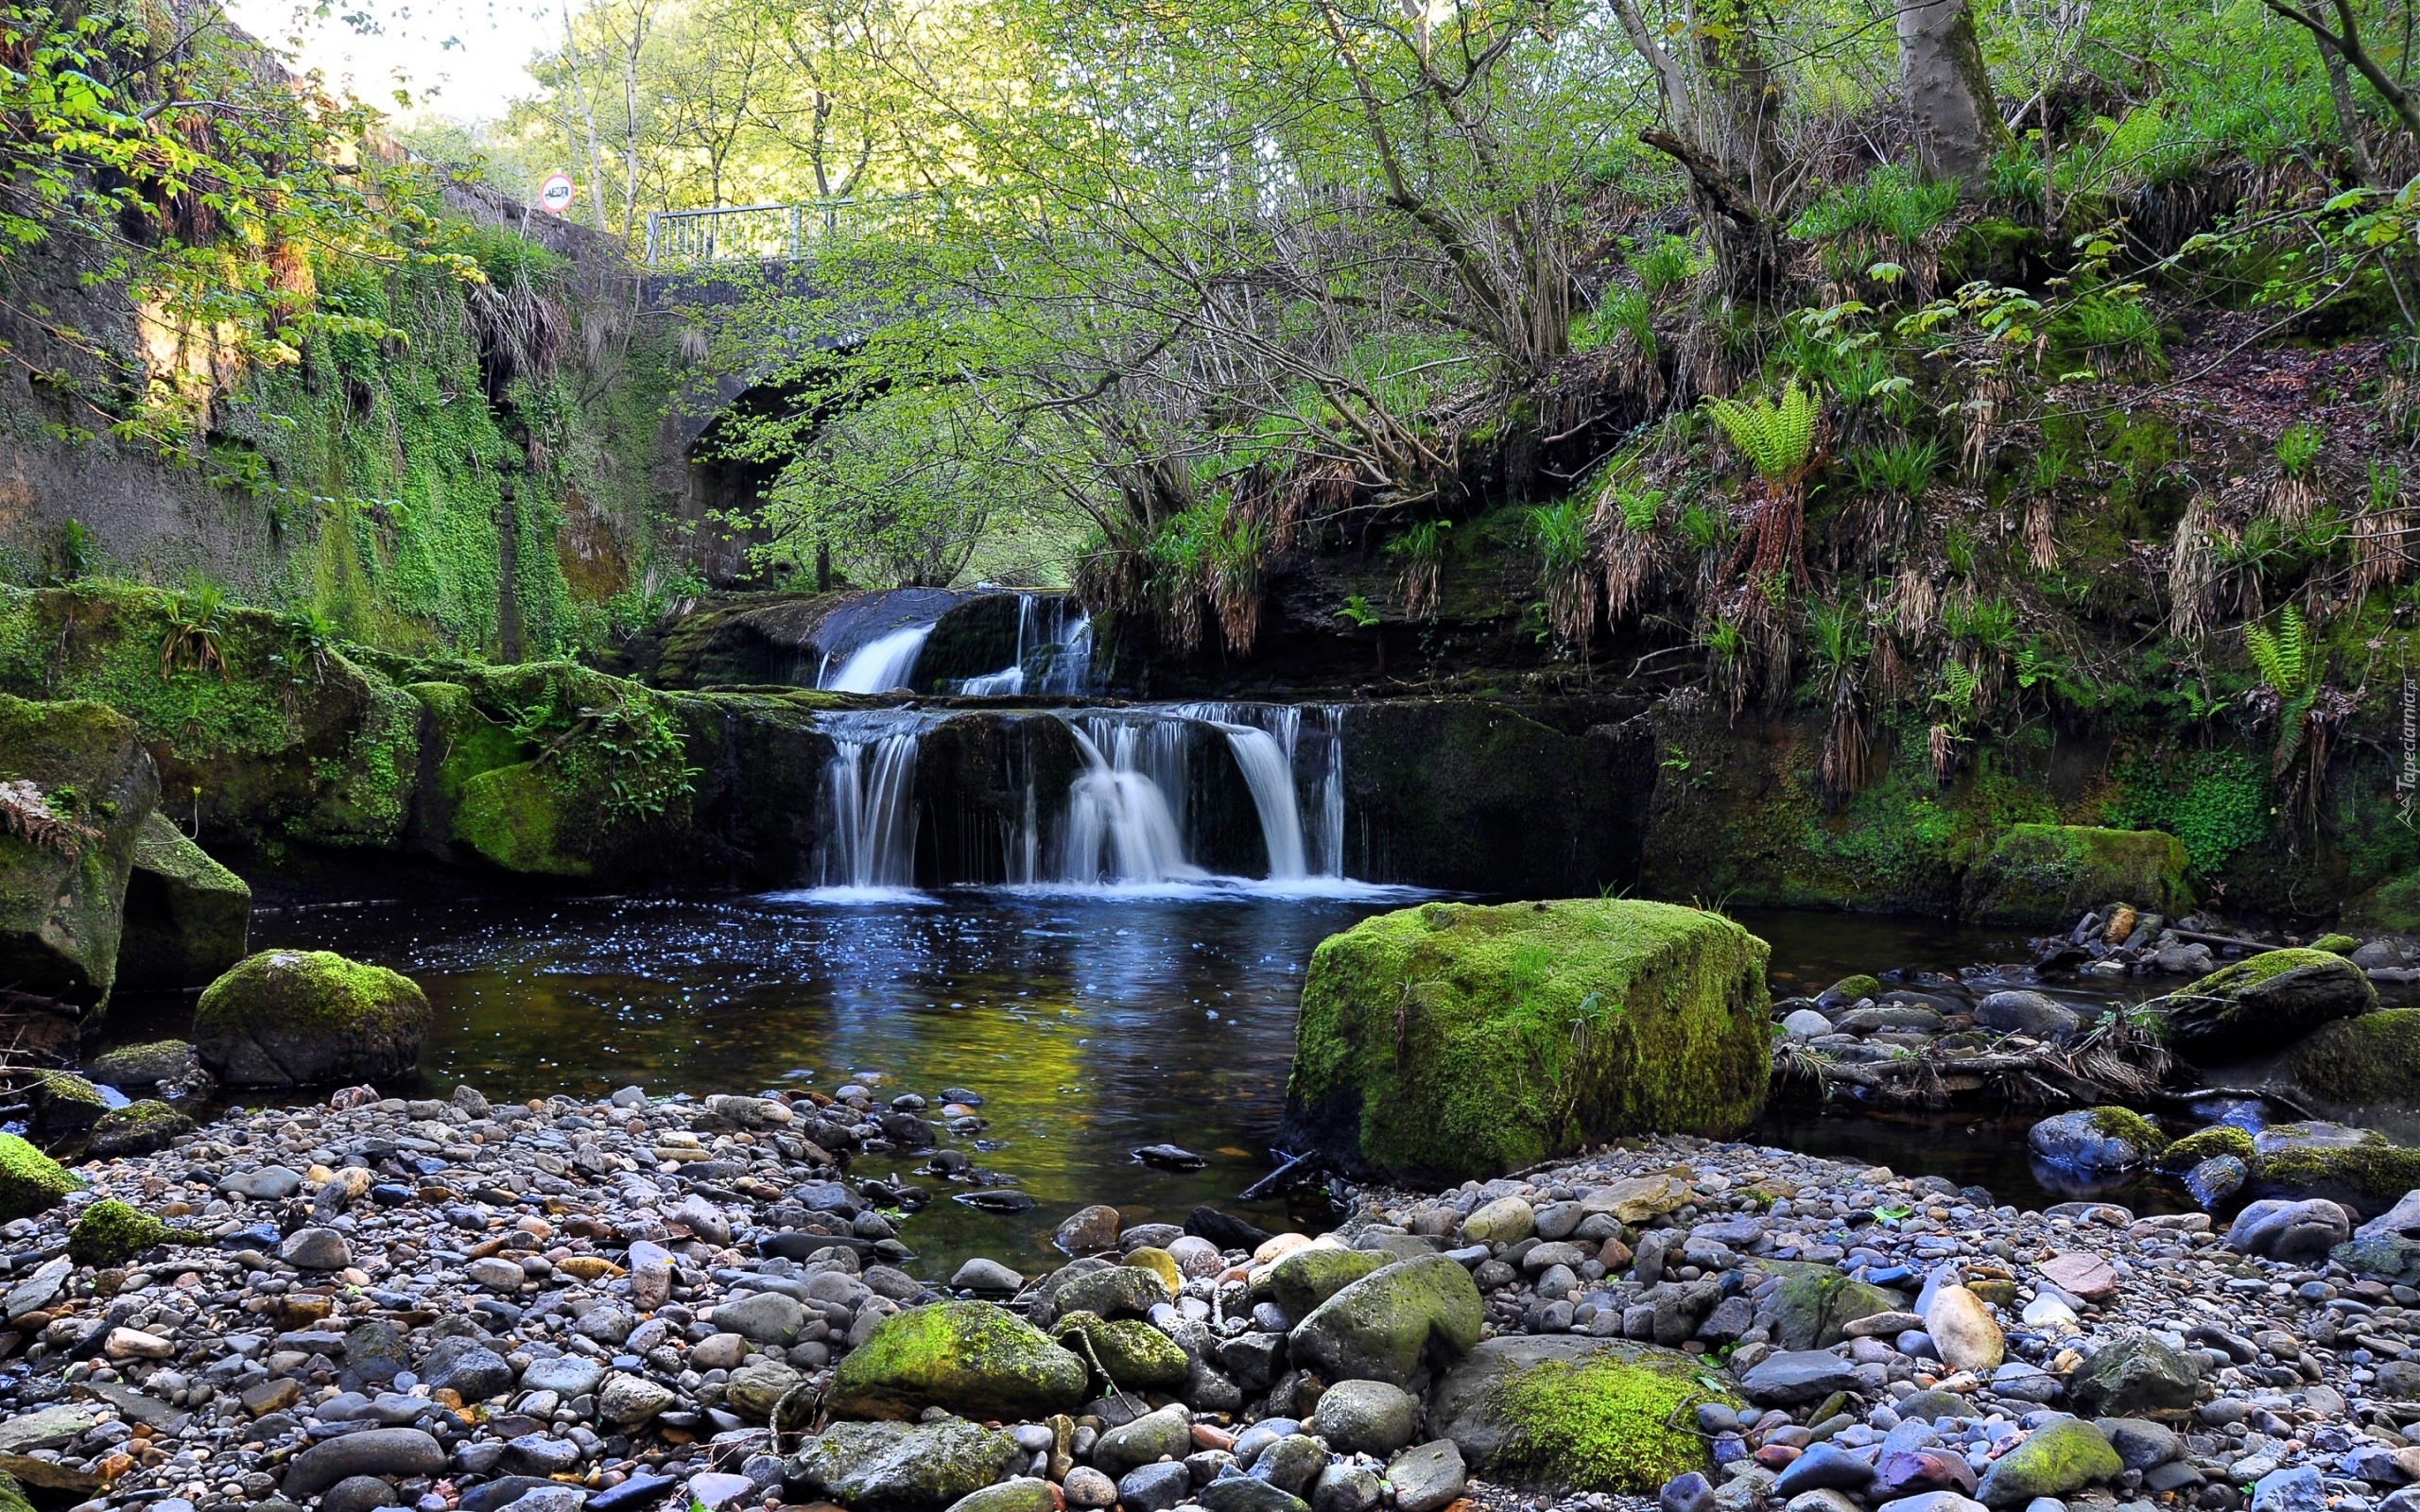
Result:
[1284,1176]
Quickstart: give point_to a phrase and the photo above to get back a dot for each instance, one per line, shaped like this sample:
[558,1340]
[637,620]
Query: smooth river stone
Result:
[1963,1331]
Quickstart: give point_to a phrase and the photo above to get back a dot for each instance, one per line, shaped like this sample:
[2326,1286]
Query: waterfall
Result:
[1119,826]
[873,781]
[1331,814]
[1264,754]
[1052,657]
[881,664]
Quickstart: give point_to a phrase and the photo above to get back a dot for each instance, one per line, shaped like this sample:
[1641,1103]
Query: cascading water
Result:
[881,664]
[871,780]
[1054,656]
[1120,829]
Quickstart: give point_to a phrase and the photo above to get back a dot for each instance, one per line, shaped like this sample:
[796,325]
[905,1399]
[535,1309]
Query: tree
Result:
[1948,90]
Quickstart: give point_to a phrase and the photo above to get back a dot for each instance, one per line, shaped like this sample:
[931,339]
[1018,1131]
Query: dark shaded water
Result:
[1093,1025]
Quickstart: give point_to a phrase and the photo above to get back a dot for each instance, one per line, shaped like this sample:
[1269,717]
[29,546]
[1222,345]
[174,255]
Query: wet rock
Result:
[1343,1488]
[2387,1247]
[891,1464]
[1087,1232]
[371,1452]
[1813,1306]
[80,787]
[2216,1179]
[1427,1478]
[1366,1417]
[1125,1351]
[1154,1487]
[1791,1377]
[186,916]
[1392,1323]
[316,1249]
[2137,1375]
[1242,1493]
[1167,1433]
[1824,1467]
[2097,1139]
[1114,1291]
[2035,1014]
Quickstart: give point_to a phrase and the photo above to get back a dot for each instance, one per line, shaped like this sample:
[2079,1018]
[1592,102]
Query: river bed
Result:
[1093,1022]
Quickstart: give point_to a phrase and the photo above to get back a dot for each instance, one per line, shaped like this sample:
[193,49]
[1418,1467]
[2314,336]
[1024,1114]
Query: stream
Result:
[1092,1022]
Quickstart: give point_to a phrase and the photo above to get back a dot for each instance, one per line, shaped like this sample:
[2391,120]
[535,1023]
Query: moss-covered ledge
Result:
[1454,1041]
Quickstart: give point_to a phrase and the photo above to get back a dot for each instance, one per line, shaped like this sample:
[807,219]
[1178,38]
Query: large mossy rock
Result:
[1393,1324]
[31,1182]
[1455,1040]
[2356,1167]
[967,1357]
[1564,1414]
[188,917]
[2264,1002]
[79,787]
[2353,1066]
[2046,874]
[307,1018]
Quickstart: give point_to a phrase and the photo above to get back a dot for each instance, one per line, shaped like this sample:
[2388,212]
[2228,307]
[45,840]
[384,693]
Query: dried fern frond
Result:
[25,813]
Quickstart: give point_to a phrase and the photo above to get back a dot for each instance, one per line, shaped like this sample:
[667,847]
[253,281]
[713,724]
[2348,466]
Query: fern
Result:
[2284,659]
[1640,508]
[2299,447]
[1903,468]
[1776,436]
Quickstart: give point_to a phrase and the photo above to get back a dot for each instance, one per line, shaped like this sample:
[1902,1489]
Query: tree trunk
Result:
[1941,68]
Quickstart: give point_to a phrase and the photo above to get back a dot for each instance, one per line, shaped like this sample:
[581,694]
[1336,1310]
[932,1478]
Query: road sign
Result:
[554,195]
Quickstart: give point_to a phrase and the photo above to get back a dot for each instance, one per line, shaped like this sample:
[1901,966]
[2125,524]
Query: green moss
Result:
[2125,1124]
[1459,1039]
[1854,988]
[2040,874]
[111,1233]
[1125,1353]
[31,1182]
[2393,905]
[2373,1058]
[1602,1426]
[2217,802]
[468,741]
[2336,944]
[2370,1177]
[512,816]
[970,1357]
[2207,1143]
[317,989]
[12,1495]
[66,1087]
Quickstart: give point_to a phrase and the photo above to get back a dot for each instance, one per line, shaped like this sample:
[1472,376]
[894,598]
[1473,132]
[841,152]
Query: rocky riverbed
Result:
[642,1302]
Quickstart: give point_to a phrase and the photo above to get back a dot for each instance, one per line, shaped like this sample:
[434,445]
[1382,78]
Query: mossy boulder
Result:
[66,1103]
[1393,1324]
[2359,1062]
[1126,1353]
[2062,1456]
[2264,1002]
[111,1233]
[188,917]
[967,1357]
[140,1068]
[1564,1414]
[76,786]
[2206,1145]
[2046,874]
[2097,1139]
[276,736]
[305,1018]
[1309,1275]
[31,1182]
[1454,1039]
[1811,1306]
[2355,1168]
[2137,1375]
[511,817]
[138,1128]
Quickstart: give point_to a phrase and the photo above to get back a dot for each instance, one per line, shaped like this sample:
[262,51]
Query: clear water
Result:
[1093,1022]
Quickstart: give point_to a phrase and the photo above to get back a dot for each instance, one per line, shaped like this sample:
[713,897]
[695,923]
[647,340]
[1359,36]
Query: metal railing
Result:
[768,233]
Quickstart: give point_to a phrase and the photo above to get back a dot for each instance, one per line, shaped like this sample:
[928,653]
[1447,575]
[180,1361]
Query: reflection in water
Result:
[1092,1022]
[1091,1026]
